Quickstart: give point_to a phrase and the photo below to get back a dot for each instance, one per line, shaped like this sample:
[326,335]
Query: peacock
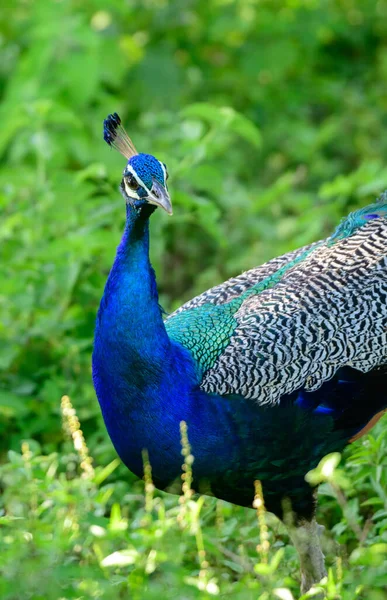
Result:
[271,370]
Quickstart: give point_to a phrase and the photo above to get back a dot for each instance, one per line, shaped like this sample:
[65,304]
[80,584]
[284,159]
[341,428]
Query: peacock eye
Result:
[131,182]
[166,172]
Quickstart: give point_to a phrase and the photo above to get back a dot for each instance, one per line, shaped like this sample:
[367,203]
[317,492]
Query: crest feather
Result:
[115,135]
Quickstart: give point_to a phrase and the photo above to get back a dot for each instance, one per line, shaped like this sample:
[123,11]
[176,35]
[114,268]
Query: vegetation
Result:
[270,116]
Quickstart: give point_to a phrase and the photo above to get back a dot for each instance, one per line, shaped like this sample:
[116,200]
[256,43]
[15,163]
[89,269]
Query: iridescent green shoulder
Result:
[206,330]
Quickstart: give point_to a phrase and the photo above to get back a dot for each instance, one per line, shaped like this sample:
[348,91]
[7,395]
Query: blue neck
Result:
[146,384]
[131,344]
[130,300]
[133,358]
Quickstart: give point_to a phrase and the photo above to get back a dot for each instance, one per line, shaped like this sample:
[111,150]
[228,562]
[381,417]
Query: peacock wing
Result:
[236,286]
[306,315]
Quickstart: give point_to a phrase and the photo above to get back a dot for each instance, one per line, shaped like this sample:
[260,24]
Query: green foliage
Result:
[270,116]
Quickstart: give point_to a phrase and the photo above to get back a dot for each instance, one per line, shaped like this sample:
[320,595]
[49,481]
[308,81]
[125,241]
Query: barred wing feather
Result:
[295,321]
[234,287]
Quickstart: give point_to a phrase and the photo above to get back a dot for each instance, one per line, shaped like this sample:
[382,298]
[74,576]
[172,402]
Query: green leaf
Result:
[226,118]
[12,405]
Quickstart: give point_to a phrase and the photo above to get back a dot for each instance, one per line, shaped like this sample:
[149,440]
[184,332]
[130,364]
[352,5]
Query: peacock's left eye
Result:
[131,182]
[166,172]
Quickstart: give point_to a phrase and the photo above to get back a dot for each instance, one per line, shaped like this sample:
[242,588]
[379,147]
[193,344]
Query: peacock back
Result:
[294,321]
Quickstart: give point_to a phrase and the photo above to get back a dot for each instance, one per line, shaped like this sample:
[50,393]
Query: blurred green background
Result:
[271,117]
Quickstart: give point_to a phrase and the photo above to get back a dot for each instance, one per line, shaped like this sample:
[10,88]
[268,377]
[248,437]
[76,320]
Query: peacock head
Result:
[144,180]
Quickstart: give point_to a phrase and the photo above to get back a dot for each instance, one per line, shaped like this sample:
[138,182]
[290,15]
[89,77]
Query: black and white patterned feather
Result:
[325,312]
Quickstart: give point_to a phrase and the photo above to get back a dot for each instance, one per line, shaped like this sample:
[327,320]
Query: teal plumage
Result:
[271,370]
[358,218]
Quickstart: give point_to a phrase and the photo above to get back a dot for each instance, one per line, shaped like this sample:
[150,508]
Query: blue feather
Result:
[357,219]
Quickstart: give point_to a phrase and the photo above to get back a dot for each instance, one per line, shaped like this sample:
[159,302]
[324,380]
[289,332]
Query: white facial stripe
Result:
[139,181]
[164,172]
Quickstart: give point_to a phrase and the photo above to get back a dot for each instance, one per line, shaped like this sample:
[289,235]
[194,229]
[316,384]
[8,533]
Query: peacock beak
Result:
[159,196]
